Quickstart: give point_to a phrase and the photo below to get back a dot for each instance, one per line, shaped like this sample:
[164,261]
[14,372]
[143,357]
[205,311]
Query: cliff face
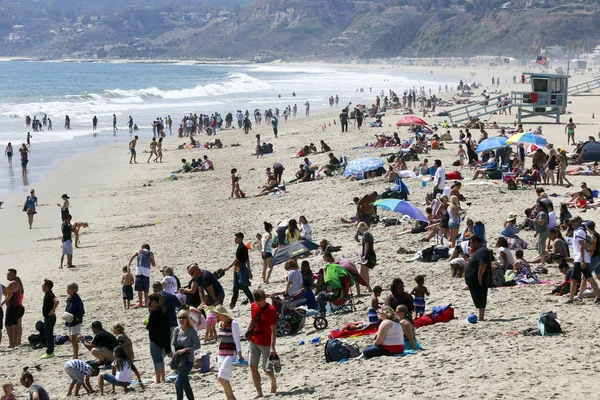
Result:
[336,29]
[326,29]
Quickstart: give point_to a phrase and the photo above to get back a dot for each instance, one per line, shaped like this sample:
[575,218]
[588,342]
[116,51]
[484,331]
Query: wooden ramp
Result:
[479,109]
[586,87]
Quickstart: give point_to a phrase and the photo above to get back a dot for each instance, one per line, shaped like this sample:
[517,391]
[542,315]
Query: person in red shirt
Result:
[262,341]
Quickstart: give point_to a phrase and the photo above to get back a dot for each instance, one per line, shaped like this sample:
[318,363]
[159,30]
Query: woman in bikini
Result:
[159,153]
[153,146]
[570,131]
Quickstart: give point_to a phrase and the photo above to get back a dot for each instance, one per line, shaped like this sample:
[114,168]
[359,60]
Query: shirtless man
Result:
[14,309]
[132,150]
[365,211]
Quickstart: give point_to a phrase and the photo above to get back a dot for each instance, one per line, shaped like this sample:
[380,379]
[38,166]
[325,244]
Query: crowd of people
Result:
[177,313]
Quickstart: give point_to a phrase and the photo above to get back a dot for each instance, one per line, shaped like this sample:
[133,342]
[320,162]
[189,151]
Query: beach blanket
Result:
[350,330]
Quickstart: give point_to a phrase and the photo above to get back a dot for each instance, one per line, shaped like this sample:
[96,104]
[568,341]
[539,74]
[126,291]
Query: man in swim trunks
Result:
[14,309]
[132,150]
[365,211]
[145,260]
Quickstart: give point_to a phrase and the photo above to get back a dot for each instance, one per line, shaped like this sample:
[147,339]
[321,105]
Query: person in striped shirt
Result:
[230,348]
[80,373]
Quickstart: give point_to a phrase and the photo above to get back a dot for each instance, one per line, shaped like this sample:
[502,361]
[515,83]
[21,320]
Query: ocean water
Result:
[146,91]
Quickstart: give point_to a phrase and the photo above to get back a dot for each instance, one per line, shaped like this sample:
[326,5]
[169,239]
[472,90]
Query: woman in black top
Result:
[159,333]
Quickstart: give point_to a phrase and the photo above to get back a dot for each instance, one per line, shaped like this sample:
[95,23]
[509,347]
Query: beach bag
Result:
[548,324]
[178,362]
[391,158]
[337,350]
[456,163]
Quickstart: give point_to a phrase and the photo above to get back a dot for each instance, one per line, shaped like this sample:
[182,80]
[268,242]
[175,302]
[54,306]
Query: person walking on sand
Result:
[14,309]
[159,153]
[263,336]
[8,152]
[145,260]
[49,306]
[570,131]
[581,261]
[64,207]
[243,272]
[132,150]
[29,206]
[184,343]
[67,242]
[307,104]
[275,124]
[230,348]
[153,150]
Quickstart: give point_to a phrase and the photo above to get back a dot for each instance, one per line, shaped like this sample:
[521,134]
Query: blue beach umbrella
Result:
[402,207]
[362,165]
[492,143]
[527,137]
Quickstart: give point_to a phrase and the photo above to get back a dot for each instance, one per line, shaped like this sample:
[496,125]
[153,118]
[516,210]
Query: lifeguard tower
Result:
[547,98]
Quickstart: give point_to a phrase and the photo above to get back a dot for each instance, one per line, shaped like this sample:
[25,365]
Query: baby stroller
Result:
[343,304]
[290,317]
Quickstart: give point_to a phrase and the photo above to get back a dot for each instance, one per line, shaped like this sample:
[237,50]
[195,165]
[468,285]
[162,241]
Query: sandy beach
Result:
[194,220]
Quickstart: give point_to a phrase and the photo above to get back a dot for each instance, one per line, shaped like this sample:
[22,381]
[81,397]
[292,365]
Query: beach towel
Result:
[346,332]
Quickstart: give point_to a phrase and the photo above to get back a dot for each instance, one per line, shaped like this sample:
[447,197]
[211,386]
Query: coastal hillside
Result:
[301,29]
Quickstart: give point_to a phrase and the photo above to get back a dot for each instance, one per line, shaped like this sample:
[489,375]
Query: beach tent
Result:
[590,150]
[361,165]
[411,120]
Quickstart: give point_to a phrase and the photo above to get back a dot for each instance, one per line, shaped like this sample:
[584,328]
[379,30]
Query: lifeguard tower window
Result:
[557,85]
[540,85]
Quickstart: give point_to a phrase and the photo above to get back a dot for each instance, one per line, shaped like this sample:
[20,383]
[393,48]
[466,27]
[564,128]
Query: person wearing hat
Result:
[64,207]
[581,261]
[102,345]
[230,348]
[510,229]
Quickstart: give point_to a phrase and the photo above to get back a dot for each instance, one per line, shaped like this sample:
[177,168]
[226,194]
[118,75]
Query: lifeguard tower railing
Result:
[586,87]
[530,105]
[479,109]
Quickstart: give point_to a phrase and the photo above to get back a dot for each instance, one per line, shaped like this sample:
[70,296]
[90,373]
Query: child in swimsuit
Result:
[420,292]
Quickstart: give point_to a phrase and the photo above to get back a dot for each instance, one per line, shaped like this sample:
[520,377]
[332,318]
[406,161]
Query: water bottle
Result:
[316,340]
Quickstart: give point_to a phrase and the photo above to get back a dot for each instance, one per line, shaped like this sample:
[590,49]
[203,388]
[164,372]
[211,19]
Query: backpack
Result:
[336,350]
[548,324]
[588,244]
